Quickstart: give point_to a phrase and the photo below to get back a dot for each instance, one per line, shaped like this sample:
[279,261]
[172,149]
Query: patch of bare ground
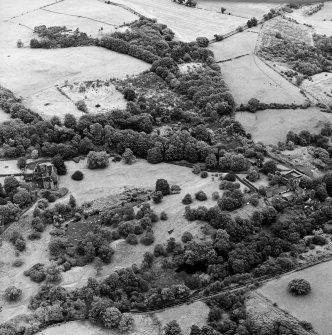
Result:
[99,96]
[263,314]
[186,316]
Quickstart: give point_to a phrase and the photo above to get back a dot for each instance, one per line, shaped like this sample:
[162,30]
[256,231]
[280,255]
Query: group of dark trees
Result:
[303,58]
[59,37]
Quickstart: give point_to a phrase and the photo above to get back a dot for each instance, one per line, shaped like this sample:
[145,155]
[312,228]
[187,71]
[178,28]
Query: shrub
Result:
[18,263]
[269,167]
[204,174]
[186,237]
[163,186]
[12,293]
[215,196]
[128,156]
[163,216]
[230,177]
[157,197]
[20,245]
[159,250]
[77,175]
[131,239]
[81,106]
[299,286]
[129,94]
[34,236]
[196,169]
[201,196]
[97,160]
[202,42]
[187,199]
[147,239]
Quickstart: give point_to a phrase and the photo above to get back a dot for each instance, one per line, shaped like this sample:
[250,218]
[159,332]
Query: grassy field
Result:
[316,306]
[187,23]
[248,77]
[247,9]
[235,46]
[260,123]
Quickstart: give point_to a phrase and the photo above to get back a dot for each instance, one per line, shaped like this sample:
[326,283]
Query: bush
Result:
[157,197]
[299,286]
[204,174]
[269,167]
[18,263]
[187,199]
[230,177]
[186,237]
[81,106]
[163,216]
[34,236]
[147,239]
[202,42]
[12,293]
[128,156]
[215,196]
[201,196]
[77,175]
[129,94]
[131,239]
[20,245]
[97,160]
[163,186]
[196,169]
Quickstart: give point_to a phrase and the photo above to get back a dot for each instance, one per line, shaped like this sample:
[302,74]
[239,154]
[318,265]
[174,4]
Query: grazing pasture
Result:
[246,9]
[314,307]
[270,126]
[248,77]
[187,23]
[235,46]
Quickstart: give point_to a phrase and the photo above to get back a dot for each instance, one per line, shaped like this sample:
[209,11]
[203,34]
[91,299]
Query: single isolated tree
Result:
[299,286]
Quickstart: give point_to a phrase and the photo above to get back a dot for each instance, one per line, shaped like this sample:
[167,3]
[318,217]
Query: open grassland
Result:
[118,176]
[246,9]
[235,46]
[321,21]
[187,23]
[144,325]
[270,126]
[248,77]
[316,306]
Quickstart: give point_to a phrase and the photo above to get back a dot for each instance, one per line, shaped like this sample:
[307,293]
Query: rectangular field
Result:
[248,77]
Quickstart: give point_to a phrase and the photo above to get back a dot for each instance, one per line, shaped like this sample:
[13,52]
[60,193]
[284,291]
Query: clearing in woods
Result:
[283,120]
